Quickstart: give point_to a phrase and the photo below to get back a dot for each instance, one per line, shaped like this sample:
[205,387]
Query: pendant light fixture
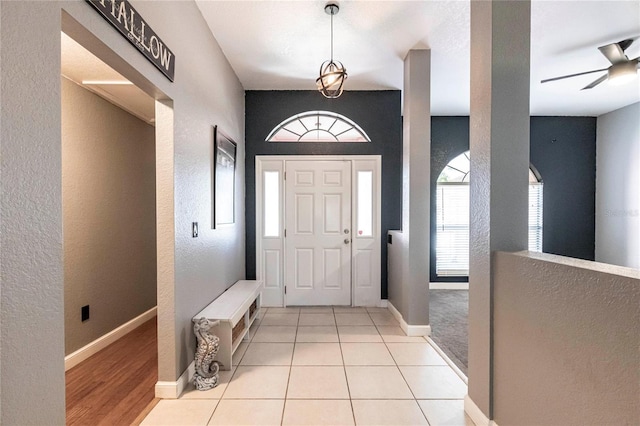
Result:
[332,73]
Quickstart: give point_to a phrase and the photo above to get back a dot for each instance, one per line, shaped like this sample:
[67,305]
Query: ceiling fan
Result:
[622,68]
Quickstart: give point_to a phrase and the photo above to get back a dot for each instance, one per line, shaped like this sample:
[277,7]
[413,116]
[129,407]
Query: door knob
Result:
[347,241]
[346,231]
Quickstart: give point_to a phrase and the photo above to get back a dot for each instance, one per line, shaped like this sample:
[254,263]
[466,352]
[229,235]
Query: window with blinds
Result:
[452,217]
[452,235]
[535,216]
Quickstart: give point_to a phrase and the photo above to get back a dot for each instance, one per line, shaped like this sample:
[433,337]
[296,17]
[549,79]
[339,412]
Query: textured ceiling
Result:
[279,45]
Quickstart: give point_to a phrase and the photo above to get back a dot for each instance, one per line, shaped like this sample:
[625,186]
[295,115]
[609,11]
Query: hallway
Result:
[338,366]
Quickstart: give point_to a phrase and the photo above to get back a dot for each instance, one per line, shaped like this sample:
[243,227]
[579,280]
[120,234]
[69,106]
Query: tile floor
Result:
[326,366]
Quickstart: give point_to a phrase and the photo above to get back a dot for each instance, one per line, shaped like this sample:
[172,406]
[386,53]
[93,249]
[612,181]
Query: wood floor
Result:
[115,385]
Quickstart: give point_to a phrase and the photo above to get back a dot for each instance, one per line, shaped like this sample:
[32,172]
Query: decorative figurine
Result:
[206,375]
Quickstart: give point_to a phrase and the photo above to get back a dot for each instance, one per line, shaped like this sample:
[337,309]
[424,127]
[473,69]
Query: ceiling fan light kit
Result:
[332,73]
[621,71]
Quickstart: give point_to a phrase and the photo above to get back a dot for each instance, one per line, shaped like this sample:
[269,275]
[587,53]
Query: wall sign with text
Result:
[131,25]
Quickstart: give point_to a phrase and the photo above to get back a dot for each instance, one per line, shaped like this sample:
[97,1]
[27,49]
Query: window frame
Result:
[327,123]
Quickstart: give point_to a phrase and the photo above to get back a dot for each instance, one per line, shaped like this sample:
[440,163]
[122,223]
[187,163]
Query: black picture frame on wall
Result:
[224,179]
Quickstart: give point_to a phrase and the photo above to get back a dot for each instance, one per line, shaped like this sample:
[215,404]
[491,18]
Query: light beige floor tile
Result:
[224,377]
[353,319]
[279,319]
[258,382]
[434,382]
[377,383]
[415,354]
[366,354]
[316,310]
[287,310]
[252,330]
[348,310]
[275,334]
[268,354]
[239,353]
[317,354]
[394,334]
[182,412]
[383,318]
[317,334]
[448,412]
[317,383]
[359,333]
[316,319]
[389,412]
[300,412]
[248,412]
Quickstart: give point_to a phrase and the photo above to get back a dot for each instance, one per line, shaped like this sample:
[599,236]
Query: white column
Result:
[416,184]
[499,139]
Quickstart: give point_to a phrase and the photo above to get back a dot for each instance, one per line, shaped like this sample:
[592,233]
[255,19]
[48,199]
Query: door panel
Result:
[317,249]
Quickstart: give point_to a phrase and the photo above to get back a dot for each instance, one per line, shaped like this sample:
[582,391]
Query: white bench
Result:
[236,309]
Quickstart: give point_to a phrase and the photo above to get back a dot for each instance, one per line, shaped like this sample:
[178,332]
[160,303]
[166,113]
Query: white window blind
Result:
[535,217]
[452,219]
[452,235]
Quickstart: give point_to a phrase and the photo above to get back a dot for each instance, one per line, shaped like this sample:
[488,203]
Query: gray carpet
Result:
[448,315]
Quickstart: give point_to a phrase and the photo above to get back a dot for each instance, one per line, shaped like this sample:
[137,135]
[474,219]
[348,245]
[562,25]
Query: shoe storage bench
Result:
[236,309]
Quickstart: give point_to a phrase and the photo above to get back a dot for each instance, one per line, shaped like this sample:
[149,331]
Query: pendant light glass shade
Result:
[332,73]
[331,80]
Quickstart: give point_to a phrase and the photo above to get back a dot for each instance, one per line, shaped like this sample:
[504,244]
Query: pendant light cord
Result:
[331,34]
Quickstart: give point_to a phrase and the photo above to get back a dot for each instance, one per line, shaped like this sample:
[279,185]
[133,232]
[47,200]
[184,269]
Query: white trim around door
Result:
[364,233]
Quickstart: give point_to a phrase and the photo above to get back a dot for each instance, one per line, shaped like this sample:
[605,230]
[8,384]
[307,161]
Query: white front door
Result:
[318,233]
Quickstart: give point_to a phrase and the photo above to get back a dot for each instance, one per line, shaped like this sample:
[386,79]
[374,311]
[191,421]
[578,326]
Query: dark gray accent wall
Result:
[376,112]
[563,151]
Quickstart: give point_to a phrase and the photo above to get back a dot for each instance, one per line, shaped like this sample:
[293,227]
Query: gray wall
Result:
[565,341]
[108,200]
[563,151]
[31,278]
[377,112]
[618,187]
[205,92]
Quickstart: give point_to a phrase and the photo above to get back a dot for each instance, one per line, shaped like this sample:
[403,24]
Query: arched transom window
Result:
[318,126]
[452,216]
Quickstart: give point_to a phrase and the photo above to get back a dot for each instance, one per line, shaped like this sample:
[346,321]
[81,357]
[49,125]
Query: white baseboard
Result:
[173,390]
[100,343]
[448,361]
[410,330]
[448,286]
[384,303]
[476,414]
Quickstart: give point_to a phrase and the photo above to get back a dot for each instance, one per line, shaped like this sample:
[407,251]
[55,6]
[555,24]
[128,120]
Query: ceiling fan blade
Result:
[614,53]
[595,83]
[624,44]
[572,75]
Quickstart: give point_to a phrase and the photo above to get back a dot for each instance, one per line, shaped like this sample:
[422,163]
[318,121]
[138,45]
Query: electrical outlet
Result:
[194,229]
[85,313]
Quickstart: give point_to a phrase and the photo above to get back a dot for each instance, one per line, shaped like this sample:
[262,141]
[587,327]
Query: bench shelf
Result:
[236,309]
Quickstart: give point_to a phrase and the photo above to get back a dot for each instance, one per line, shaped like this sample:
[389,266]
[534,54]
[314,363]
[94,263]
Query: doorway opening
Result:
[113,125]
